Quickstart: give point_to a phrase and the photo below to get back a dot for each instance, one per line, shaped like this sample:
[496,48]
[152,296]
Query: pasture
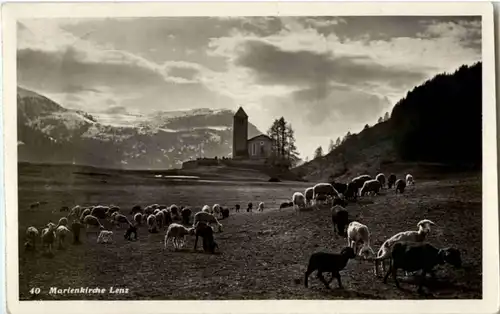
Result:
[262,254]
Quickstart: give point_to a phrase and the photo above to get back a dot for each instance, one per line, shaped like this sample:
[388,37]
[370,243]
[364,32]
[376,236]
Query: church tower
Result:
[240,134]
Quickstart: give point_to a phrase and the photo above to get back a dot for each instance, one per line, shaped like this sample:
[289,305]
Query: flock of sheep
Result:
[406,250]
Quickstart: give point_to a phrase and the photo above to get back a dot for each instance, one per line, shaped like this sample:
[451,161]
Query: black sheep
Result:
[286,204]
[186,214]
[400,186]
[205,231]
[391,181]
[224,213]
[237,208]
[351,192]
[329,263]
[340,220]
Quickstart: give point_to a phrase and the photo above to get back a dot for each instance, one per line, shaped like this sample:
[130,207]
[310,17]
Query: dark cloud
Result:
[273,65]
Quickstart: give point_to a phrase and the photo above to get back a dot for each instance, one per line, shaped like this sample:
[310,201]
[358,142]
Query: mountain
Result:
[50,133]
[438,123]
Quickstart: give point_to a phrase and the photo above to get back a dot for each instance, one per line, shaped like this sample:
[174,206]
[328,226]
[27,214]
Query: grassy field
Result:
[261,254]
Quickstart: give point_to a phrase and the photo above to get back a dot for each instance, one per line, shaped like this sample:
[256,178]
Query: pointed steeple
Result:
[241,113]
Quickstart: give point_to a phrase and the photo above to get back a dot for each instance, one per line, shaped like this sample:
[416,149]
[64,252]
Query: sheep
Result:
[152,224]
[216,209]
[340,187]
[156,211]
[120,219]
[358,234]
[85,213]
[351,192]
[359,181]
[324,189]
[31,235]
[174,210]
[99,212]
[328,262]
[75,212]
[340,220]
[160,219]
[138,218]
[249,207]
[207,218]
[391,181]
[34,205]
[237,208]
[61,233]
[62,222]
[48,236]
[186,214]
[409,179]
[64,209]
[224,213]
[162,207]
[400,186]
[381,178]
[105,236]
[131,230]
[204,231]
[370,186]
[75,228]
[298,201]
[308,194]
[167,216]
[289,204]
[135,210]
[420,256]
[177,233]
[260,208]
[424,227]
[92,221]
[112,210]
[148,210]
[206,209]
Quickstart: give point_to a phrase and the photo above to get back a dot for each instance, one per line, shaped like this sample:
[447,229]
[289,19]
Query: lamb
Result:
[324,189]
[328,262]
[298,201]
[120,219]
[131,230]
[31,235]
[409,179]
[381,178]
[186,214]
[207,218]
[308,194]
[152,226]
[358,237]
[420,256]
[340,220]
[178,233]
[61,233]
[391,181]
[63,222]
[400,186]
[105,236]
[204,231]
[160,219]
[424,227]
[261,207]
[92,221]
[48,236]
[224,213]
[370,186]
[138,218]
[290,204]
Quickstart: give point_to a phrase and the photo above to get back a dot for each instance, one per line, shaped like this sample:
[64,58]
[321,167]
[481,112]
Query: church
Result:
[256,148]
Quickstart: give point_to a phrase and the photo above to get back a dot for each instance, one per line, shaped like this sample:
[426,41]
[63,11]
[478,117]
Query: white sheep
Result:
[105,236]
[93,221]
[409,179]
[216,209]
[156,211]
[152,225]
[298,200]
[63,221]
[138,218]
[206,209]
[207,218]
[48,236]
[85,213]
[381,178]
[323,190]
[358,237]
[31,235]
[260,208]
[309,193]
[370,186]
[61,232]
[424,227]
[177,233]
[75,212]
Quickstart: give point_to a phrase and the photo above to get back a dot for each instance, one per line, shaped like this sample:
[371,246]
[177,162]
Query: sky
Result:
[324,75]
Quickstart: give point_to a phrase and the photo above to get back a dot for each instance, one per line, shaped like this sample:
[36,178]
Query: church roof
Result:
[241,113]
[260,135]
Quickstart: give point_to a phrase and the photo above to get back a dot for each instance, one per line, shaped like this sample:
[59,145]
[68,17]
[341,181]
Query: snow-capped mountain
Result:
[50,133]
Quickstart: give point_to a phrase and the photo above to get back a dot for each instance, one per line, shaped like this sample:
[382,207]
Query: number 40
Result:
[35,290]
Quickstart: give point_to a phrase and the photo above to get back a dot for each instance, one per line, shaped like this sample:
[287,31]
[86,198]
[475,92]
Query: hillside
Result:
[50,133]
[437,123]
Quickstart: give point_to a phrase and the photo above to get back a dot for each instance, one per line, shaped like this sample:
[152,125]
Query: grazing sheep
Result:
[224,213]
[207,234]
[400,186]
[206,209]
[340,220]
[156,211]
[131,230]
[358,237]
[308,194]
[92,221]
[160,219]
[105,236]
[370,186]
[112,210]
[186,215]
[391,181]
[298,201]
[99,212]
[75,228]
[260,208]
[340,187]
[138,218]
[324,189]
[381,178]
[120,219]
[409,179]
[48,236]
[85,213]
[31,235]
[207,218]
[178,233]
[62,222]
[175,211]
[351,192]
[328,263]
[152,224]
[148,210]
[61,233]
[289,204]
[34,205]
[359,181]
[249,207]
[424,227]
[237,208]
[167,215]
[412,257]
[136,210]
[75,212]
[216,209]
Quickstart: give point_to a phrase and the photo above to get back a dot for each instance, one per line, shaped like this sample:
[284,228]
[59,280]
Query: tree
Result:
[283,148]
[318,152]
[307,159]
[366,126]
[331,146]
[338,142]
[386,116]
[380,120]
